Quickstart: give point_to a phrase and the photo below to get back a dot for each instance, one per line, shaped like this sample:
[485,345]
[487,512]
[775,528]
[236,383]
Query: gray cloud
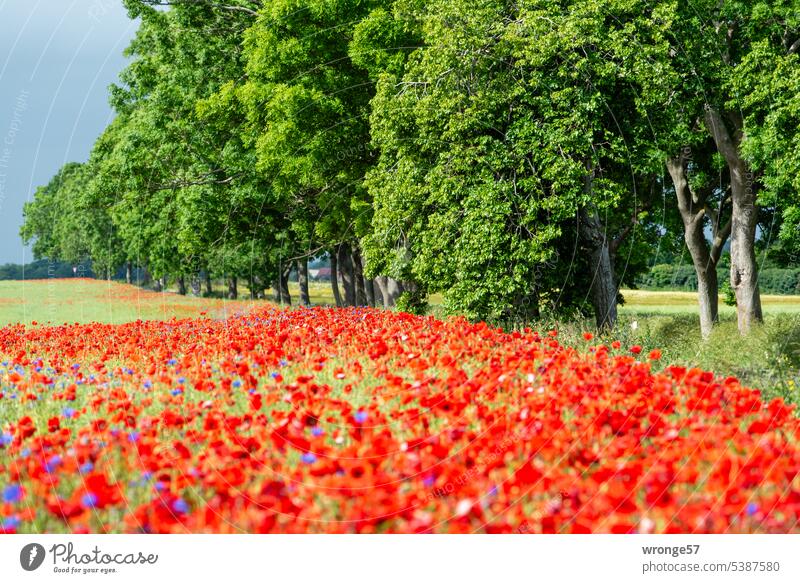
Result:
[57,59]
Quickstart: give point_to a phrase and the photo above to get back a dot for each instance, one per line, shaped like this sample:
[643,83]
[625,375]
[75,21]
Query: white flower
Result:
[634,325]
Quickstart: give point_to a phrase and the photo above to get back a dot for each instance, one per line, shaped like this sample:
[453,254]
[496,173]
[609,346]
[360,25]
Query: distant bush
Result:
[683,278]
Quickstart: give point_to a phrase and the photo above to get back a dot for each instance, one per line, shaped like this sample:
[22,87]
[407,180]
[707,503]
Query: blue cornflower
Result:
[89,500]
[68,412]
[752,508]
[148,384]
[181,380]
[237,383]
[6,439]
[11,522]
[86,468]
[360,417]
[176,392]
[133,436]
[316,431]
[52,463]
[180,506]
[309,458]
[274,375]
[12,493]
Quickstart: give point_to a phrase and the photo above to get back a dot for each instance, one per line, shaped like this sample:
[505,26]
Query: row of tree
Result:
[514,156]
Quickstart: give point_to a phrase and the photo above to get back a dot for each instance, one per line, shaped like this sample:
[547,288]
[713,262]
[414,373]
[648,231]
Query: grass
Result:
[57,301]
[671,302]
[768,359]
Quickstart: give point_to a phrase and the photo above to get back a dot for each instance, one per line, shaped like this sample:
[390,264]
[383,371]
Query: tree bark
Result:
[358,275]
[302,280]
[276,291]
[693,210]
[378,300]
[603,287]
[209,285]
[744,218]
[369,287]
[233,291]
[346,269]
[182,285]
[393,288]
[283,281]
[337,297]
[128,272]
[160,284]
[194,281]
[383,289]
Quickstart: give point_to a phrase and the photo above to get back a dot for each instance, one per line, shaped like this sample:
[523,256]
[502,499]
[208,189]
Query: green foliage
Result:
[457,145]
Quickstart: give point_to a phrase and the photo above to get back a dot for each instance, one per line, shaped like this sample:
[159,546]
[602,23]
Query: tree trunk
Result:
[346,269]
[302,281]
[383,290]
[233,291]
[182,285]
[744,218]
[283,281]
[276,291]
[358,275]
[376,288]
[337,297]
[693,210]
[209,285]
[195,283]
[393,288]
[369,290]
[128,272]
[603,287]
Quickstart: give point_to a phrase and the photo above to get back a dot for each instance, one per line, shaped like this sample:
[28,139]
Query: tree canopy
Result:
[518,158]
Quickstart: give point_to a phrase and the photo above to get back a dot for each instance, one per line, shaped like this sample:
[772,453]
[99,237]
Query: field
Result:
[243,417]
[770,360]
[61,301]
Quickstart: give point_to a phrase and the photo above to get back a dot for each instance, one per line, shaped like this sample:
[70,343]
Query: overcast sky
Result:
[57,59]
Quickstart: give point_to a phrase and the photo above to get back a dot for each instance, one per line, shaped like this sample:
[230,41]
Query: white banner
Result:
[400,558]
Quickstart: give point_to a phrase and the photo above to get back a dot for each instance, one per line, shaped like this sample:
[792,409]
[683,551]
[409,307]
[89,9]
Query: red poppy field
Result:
[360,420]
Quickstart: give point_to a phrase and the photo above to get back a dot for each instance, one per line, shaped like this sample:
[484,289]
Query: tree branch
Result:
[231,7]
[719,132]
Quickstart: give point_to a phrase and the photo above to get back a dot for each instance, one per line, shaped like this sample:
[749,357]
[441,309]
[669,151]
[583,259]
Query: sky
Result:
[57,59]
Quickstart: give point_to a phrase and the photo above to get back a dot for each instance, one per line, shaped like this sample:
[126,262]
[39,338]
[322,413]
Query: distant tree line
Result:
[516,157]
[775,281]
[45,269]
